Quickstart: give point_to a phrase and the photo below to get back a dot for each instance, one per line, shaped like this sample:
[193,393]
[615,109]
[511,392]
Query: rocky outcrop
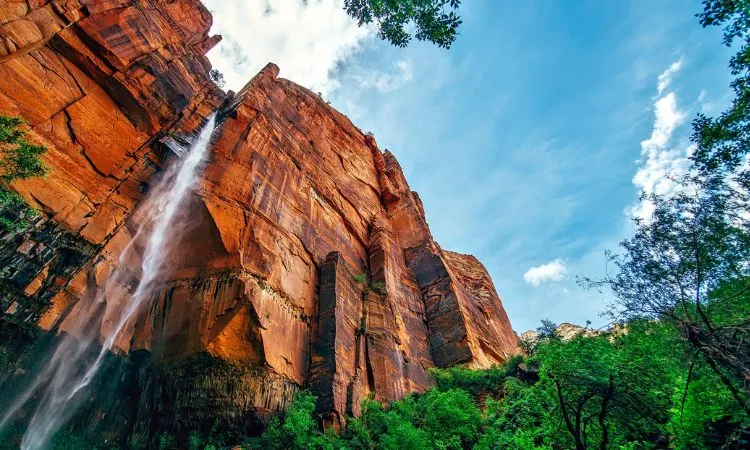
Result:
[564,331]
[308,264]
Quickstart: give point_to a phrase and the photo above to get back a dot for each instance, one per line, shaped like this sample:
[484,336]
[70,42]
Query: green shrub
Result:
[167,442]
[451,419]
[15,214]
[195,441]
[368,284]
[296,429]
[19,159]
[361,278]
[488,381]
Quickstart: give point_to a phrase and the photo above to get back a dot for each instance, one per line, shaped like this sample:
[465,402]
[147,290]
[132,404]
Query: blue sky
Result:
[529,140]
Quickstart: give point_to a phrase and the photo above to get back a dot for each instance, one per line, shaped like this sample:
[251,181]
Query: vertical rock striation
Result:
[309,263]
[100,83]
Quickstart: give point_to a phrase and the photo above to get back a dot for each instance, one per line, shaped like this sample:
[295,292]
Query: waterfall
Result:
[76,361]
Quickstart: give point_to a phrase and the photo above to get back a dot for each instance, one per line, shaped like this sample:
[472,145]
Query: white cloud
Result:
[306,39]
[665,78]
[660,160]
[551,271]
[387,82]
[667,117]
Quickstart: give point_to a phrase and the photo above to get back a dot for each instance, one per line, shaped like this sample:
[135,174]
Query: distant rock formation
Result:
[565,331]
[568,331]
[309,264]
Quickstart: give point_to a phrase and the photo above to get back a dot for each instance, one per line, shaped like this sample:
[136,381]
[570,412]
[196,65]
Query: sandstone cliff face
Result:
[99,82]
[309,262]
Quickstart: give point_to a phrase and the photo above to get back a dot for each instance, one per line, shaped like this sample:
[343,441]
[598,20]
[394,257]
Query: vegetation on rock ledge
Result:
[19,159]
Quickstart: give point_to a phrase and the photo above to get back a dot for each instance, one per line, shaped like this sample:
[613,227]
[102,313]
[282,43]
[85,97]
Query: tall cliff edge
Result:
[309,262]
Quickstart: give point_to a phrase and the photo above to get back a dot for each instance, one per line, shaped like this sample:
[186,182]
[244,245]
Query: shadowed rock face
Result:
[309,262]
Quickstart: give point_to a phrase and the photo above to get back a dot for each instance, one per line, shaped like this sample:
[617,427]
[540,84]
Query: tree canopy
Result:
[689,264]
[434,21]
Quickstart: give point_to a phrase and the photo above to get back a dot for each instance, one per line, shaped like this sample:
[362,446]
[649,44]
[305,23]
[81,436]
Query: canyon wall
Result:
[308,263]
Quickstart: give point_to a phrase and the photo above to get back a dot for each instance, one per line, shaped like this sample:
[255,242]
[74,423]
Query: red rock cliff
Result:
[310,262]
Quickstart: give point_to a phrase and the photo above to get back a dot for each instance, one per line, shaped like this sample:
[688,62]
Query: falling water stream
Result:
[75,361]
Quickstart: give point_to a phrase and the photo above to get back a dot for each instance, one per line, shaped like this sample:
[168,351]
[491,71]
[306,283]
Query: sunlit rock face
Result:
[308,261]
[100,83]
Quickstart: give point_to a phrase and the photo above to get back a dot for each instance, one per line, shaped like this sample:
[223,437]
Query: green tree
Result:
[548,330]
[690,264]
[623,390]
[607,392]
[704,413]
[296,429]
[723,141]
[403,435]
[524,418]
[19,159]
[217,77]
[451,418]
[435,21]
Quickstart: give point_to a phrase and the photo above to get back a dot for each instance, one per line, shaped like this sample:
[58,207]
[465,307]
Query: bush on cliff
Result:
[19,159]
[489,381]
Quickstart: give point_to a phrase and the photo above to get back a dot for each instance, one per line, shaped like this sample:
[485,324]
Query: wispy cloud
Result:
[665,78]
[551,271]
[387,81]
[660,160]
[307,39]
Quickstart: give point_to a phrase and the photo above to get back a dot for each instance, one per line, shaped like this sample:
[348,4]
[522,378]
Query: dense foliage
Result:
[19,159]
[434,21]
[689,264]
[624,389]
[722,142]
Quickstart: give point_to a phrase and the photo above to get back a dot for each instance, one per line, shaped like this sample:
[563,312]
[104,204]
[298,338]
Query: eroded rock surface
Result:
[308,263]
[100,83]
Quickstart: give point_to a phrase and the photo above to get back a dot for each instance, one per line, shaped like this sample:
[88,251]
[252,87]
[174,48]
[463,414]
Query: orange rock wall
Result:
[309,261]
[100,82]
[304,203]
